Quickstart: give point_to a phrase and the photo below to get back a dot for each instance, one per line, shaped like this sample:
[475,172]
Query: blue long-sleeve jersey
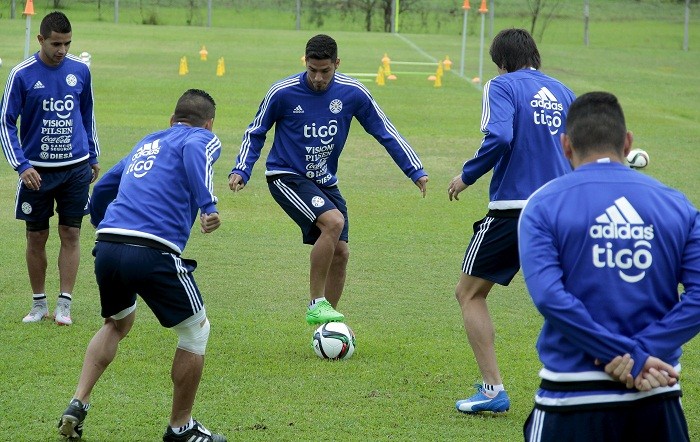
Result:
[523,115]
[603,251]
[156,191]
[57,124]
[311,129]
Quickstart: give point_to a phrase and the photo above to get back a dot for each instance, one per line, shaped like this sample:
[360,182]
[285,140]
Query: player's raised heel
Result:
[70,426]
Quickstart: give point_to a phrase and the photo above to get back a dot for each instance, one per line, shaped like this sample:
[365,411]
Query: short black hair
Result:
[595,123]
[514,49]
[55,21]
[195,107]
[321,47]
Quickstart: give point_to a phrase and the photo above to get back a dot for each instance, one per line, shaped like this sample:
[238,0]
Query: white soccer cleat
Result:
[62,313]
[37,313]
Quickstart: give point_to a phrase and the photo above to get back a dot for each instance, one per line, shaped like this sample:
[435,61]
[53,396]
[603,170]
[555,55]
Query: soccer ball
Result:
[638,159]
[334,340]
[86,58]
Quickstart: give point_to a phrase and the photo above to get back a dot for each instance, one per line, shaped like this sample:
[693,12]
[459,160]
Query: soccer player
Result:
[144,208]
[603,251]
[522,117]
[312,112]
[55,150]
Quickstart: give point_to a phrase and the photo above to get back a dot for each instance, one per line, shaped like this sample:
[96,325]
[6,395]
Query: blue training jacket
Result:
[603,251]
[311,129]
[523,116]
[156,191]
[57,119]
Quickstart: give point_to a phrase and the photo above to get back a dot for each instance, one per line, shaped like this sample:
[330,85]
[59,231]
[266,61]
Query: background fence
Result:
[416,16]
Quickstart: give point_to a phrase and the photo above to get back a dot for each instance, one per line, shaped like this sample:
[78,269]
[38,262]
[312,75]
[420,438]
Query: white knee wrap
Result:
[193,333]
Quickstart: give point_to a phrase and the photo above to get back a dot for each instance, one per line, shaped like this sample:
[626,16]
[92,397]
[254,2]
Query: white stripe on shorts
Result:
[187,283]
[536,428]
[470,256]
[295,200]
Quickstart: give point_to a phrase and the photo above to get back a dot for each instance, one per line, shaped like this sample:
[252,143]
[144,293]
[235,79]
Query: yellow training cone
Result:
[183,66]
[203,53]
[380,77]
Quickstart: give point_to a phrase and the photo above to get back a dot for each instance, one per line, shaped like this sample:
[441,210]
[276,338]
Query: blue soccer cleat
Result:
[481,402]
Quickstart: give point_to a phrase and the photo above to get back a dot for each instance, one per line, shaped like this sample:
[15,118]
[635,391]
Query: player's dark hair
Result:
[595,123]
[321,47]
[195,107]
[54,22]
[514,49]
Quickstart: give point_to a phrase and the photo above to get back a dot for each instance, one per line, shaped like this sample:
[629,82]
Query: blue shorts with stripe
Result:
[162,279]
[68,186]
[650,419]
[304,202]
[492,253]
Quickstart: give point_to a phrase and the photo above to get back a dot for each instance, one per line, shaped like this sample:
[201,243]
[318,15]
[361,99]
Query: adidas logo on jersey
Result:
[298,109]
[631,253]
[621,221]
[38,85]
[545,99]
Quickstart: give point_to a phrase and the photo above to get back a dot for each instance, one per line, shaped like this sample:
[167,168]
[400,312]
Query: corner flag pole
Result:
[28,12]
[482,10]
[466,8]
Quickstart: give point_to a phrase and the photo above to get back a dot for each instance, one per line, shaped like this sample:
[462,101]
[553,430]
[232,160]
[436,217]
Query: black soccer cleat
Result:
[197,433]
[70,426]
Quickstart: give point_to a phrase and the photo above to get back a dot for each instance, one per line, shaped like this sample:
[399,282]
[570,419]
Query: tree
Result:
[539,8]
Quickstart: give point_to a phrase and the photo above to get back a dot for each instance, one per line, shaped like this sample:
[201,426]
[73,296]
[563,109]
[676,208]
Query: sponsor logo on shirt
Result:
[548,110]
[625,241]
[319,149]
[38,85]
[298,109]
[142,160]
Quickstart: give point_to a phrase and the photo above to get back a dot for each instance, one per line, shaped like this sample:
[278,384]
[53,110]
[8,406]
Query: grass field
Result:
[262,381]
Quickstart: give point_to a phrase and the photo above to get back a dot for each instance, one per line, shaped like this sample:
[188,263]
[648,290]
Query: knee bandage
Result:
[193,333]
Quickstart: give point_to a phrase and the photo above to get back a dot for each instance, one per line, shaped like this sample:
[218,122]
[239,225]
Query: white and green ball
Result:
[638,159]
[334,340]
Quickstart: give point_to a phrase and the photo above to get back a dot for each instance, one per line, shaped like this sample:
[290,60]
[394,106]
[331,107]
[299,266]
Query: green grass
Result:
[262,380]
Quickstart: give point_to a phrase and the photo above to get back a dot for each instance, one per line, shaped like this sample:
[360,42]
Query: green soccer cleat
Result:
[323,312]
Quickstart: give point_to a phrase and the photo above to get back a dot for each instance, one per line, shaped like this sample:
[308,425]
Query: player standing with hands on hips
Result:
[604,250]
[54,150]
[312,112]
[523,115]
[144,208]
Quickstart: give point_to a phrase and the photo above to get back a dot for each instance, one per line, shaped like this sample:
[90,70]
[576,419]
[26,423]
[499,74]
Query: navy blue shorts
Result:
[492,253]
[650,419]
[304,202]
[163,280]
[67,186]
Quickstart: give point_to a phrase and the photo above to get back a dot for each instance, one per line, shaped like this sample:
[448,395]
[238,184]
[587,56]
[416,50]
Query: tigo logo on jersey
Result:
[622,226]
[139,166]
[547,110]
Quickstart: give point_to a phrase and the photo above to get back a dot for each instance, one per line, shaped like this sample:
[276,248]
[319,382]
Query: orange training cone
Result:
[466,5]
[29,8]
[483,9]
[447,63]
[385,63]
[203,53]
